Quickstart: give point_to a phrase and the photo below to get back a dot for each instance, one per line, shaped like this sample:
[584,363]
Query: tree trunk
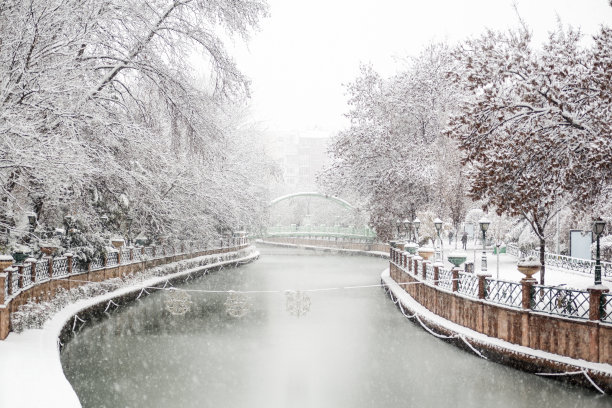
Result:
[542,266]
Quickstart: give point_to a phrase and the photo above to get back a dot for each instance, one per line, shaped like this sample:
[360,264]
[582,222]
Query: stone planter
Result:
[528,269]
[20,256]
[118,242]
[5,262]
[426,253]
[411,248]
[48,250]
[456,259]
[141,241]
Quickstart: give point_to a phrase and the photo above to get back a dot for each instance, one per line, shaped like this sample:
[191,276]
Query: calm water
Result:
[352,349]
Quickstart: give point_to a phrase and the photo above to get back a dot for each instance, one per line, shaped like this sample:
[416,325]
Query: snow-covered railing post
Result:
[3,287]
[596,311]
[20,276]
[119,257]
[68,256]
[10,275]
[424,268]
[33,263]
[131,254]
[482,285]
[527,292]
[455,277]
[436,274]
[50,266]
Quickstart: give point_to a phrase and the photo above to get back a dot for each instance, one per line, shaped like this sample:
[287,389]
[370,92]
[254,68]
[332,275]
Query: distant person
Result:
[450,237]
[464,240]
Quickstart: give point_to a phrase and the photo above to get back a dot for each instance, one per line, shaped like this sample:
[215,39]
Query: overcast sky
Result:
[307,49]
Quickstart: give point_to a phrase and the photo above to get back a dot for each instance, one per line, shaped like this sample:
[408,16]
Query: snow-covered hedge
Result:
[605,248]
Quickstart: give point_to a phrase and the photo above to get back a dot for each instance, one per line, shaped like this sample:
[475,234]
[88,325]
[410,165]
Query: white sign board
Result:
[580,244]
[469,228]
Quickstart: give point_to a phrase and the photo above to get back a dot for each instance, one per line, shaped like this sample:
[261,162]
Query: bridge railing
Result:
[322,231]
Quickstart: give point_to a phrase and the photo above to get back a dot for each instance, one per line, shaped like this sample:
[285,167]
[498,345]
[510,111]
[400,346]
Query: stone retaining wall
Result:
[588,340]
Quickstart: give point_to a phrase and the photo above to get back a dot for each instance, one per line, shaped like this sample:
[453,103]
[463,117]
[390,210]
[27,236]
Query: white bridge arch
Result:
[336,200]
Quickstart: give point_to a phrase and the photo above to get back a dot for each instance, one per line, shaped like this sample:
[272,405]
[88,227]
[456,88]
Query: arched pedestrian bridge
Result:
[354,233]
[336,200]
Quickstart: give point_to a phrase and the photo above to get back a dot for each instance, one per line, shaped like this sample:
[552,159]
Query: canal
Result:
[352,348]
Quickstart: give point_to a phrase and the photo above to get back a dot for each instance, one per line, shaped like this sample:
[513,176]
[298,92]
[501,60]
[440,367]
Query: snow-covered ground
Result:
[508,271]
[31,374]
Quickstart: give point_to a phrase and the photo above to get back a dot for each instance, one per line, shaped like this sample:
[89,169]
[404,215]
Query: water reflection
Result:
[352,349]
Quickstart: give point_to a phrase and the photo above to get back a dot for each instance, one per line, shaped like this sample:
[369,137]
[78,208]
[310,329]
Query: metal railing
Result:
[580,265]
[97,263]
[149,252]
[429,272]
[468,284]
[606,308]
[42,270]
[445,278]
[112,258]
[60,266]
[125,256]
[20,277]
[560,301]
[504,292]
[555,300]
[14,283]
[26,274]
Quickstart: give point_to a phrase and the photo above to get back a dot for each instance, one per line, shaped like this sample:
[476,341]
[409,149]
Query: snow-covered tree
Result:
[389,154]
[536,126]
[102,115]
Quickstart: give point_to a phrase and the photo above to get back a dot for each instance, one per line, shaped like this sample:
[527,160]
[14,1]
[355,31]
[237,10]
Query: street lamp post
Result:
[407,228]
[438,225]
[398,223]
[129,221]
[417,223]
[32,220]
[484,226]
[598,227]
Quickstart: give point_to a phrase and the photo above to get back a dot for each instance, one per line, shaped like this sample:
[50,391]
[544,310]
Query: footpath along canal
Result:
[350,348]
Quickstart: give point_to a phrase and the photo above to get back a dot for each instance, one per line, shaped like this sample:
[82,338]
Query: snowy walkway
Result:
[509,272]
[31,373]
